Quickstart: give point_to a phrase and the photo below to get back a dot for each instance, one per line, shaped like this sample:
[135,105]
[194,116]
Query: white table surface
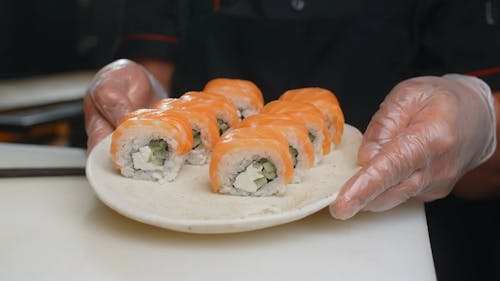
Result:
[55,228]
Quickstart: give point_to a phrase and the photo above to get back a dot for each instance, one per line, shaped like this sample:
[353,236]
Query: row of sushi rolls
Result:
[251,148]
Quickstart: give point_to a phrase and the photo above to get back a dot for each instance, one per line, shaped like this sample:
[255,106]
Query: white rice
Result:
[317,144]
[201,154]
[198,156]
[235,162]
[243,104]
[248,112]
[302,161]
[139,136]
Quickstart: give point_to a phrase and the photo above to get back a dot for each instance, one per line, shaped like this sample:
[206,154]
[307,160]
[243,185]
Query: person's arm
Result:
[483,181]
[161,69]
[430,131]
[150,35]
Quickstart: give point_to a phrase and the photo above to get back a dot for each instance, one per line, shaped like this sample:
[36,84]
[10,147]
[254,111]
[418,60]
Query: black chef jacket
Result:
[359,49]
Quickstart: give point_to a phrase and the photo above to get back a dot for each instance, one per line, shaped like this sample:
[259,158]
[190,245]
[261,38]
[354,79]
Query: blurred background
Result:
[49,51]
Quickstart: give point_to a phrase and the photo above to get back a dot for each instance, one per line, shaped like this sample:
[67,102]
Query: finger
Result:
[396,161]
[400,193]
[96,126]
[111,101]
[389,121]
[395,114]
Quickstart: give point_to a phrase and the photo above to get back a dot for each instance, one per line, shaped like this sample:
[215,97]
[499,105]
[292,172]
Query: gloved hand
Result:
[116,90]
[428,132]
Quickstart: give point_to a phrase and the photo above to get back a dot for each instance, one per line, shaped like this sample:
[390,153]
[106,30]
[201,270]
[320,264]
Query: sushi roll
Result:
[224,110]
[310,93]
[294,131]
[151,145]
[251,162]
[313,120]
[167,103]
[326,102]
[243,93]
[203,127]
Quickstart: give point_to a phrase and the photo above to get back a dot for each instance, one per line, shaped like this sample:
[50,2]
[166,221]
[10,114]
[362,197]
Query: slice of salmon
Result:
[293,129]
[312,118]
[244,94]
[174,124]
[221,106]
[326,102]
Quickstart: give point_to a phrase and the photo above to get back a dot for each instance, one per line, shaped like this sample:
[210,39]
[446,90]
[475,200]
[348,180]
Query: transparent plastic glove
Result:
[428,132]
[116,90]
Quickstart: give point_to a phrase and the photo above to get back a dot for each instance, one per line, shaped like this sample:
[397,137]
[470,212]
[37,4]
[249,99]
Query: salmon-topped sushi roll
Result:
[313,120]
[310,93]
[151,145]
[203,126]
[326,102]
[296,134]
[167,103]
[243,93]
[251,162]
[224,110]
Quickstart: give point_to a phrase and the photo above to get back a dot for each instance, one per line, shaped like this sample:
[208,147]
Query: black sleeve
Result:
[462,36]
[149,28]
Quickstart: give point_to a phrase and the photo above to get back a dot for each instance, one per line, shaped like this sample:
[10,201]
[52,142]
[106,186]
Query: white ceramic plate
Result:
[188,204]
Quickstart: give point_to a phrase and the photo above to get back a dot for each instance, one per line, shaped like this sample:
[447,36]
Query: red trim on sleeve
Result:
[484,72]
[216,5]
[154,37]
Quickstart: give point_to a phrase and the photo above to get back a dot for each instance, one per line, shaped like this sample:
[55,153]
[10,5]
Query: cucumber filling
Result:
[294,153]
[312,137]
[223,126]
[151,156]
[196,139]
[159,151]
[255,175]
